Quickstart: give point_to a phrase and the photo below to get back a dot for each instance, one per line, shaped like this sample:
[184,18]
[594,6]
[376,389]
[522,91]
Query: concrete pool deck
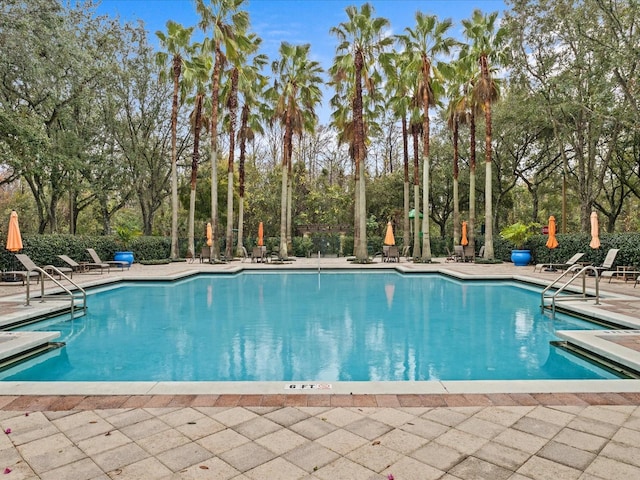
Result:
[426,430]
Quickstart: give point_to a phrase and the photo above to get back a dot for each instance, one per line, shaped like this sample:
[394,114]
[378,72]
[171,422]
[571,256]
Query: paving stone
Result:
[537,427]
[392,416]
[566,455]
[472,468]
[247,456]
[611,469]
[627,436]
[234,416]
[341,416]
[120,457]
[311,456]
[581,440]
[543,469]
[608,414]
[128,417]
[462,441]
[593,427]
[480,428]
[368,428]
[103,442]
[181,416]
[500,415]
[439,456]
[313,428]
[144,429]
[447,416]
[276,469]
[503,456]
[222,441]
[520,440]
[50,453]
[184,456]
[257,427]
[342,441]
[401,441]
[84,469]
[344,468]
[422,427]
[375,457]
[211,469]
[148,468]
[623,453]
[411,469]
[282,441]
[287,416]
[163,441]
[551,415]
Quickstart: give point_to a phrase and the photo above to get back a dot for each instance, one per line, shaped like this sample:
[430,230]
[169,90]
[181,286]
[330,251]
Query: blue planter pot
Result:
[124,257]
[521,258]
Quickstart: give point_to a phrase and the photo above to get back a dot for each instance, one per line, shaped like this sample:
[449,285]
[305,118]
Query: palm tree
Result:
[295,94]
[251,85]
[176,42]
[426,41]
[361,40]
[486,47]
[398,83]
[224,18]
[196,74]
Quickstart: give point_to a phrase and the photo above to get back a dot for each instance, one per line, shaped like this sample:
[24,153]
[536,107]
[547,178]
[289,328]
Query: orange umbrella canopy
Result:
[209,235]
[464,240]
[552,241]
[260,235]
[389,239]
[595,228]
[14,239]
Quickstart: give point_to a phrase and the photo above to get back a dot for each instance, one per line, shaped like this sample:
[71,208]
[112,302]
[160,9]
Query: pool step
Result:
[19,346]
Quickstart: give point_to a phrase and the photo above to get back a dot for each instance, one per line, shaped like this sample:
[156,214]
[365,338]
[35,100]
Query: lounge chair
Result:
[607,263]
[392,254]
[110,263]
[469,254]
[31,267]
[84,266]
[258,254]
[559,266]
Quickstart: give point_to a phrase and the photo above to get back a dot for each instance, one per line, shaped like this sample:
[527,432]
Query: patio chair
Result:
[560,266]
[458,253]
[609,260]
[110,263]
[390,254]
[83,266]
[31,267]
[258,254]
[205,254]
[468,254]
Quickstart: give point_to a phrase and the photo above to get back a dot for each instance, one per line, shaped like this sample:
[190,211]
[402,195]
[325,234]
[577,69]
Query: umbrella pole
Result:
[551,267]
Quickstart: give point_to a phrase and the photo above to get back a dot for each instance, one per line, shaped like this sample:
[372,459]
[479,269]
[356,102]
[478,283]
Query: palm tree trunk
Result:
[456,174]
[177,67]
[194,174]
[362,255]
[472,179]
[215,98]
[416,196]
[488,229]
[405,153]
[233,108]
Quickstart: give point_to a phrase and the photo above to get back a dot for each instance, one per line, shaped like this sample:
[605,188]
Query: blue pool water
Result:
[263,326]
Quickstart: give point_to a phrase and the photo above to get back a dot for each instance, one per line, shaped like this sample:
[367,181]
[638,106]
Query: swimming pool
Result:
[302,326]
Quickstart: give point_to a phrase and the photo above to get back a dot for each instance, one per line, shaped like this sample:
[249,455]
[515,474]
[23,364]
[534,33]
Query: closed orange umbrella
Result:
[209,235]
[464,240]
[552,241]
[260,235]
[389,239]
[595,239]
[14,239]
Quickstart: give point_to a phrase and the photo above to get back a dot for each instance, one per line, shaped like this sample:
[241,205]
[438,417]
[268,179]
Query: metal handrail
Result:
[43,273]
[582,274]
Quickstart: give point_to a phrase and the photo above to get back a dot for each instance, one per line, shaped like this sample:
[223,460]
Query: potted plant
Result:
[125,235]
[518,234]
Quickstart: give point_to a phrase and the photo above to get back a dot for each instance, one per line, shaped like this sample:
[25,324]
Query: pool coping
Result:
[342,388]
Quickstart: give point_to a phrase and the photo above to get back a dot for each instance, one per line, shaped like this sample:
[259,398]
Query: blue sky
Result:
[299,21]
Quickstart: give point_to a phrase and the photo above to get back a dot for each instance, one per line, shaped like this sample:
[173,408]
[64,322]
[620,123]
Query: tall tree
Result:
[426,41]
[361,41]
[224,18]
[487,42]
[196,75]
[175,42]
[295,94]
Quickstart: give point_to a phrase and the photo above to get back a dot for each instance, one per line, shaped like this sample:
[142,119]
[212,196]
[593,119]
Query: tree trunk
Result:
[405,156]
[177,68]
[215,99]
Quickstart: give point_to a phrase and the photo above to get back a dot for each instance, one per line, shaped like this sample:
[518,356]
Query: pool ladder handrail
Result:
[72,297]
[578,274]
